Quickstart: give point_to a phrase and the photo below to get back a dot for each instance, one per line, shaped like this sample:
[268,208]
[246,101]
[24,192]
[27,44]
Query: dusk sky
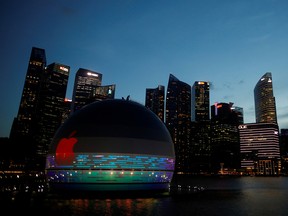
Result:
[136,44]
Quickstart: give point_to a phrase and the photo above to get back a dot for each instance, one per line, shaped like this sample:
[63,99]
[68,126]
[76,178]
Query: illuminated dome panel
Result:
[111,145]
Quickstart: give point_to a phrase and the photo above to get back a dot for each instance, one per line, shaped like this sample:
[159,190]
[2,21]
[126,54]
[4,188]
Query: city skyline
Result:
[136,45]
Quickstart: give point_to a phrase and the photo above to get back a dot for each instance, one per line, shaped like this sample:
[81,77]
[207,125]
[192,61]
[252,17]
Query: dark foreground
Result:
[188,196]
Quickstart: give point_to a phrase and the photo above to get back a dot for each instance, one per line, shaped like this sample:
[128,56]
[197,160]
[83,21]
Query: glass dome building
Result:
[111,145]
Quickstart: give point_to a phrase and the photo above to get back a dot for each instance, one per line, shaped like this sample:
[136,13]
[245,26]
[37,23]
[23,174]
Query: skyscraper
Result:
[284,150]
[51,105]
[225,148]
[178,121]
[85,83]
[24,126]
[200,101]
[155,99]
[200,147]
[259,144]
[265,107]
[41,108]
[67,109]
[200,131]
[260,141]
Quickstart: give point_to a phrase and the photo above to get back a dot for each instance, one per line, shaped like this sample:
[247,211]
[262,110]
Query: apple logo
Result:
[64,150]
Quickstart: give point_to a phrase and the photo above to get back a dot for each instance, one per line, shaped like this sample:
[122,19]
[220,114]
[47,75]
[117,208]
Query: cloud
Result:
[227,85]
[241,82]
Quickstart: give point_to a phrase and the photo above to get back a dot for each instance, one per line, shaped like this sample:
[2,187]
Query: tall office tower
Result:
[200,101]
[155,99]
[30,95]
[284,142]
[284,150]
[200,147]
[178,121]
[200,133]
[51,105]
[225,148]
[265,107]
[85,83]
[259,145]
[23,128]
[67,110]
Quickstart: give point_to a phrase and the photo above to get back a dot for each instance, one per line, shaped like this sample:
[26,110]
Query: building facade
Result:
[24,126]
[84,85]
[41,108]
[259,146]
[265,106]
[201,101]
[178,121]
[67,109]
[155,101]
[284,150]
[225,148]
[51,106]
[200,127]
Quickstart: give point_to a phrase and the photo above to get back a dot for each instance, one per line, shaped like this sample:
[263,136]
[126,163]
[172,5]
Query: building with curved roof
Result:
[111,145]
[265,105]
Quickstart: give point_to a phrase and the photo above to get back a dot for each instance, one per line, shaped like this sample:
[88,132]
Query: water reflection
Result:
[243,196]
[141,206]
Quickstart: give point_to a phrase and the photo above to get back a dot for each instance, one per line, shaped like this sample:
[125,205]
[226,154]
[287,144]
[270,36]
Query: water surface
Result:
[237,196]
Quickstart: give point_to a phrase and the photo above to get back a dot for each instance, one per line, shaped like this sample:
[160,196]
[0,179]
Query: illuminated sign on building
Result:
[92,74]
[242,126]
[64,68]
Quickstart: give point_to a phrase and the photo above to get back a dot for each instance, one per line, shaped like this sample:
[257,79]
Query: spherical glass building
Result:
[111,145]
